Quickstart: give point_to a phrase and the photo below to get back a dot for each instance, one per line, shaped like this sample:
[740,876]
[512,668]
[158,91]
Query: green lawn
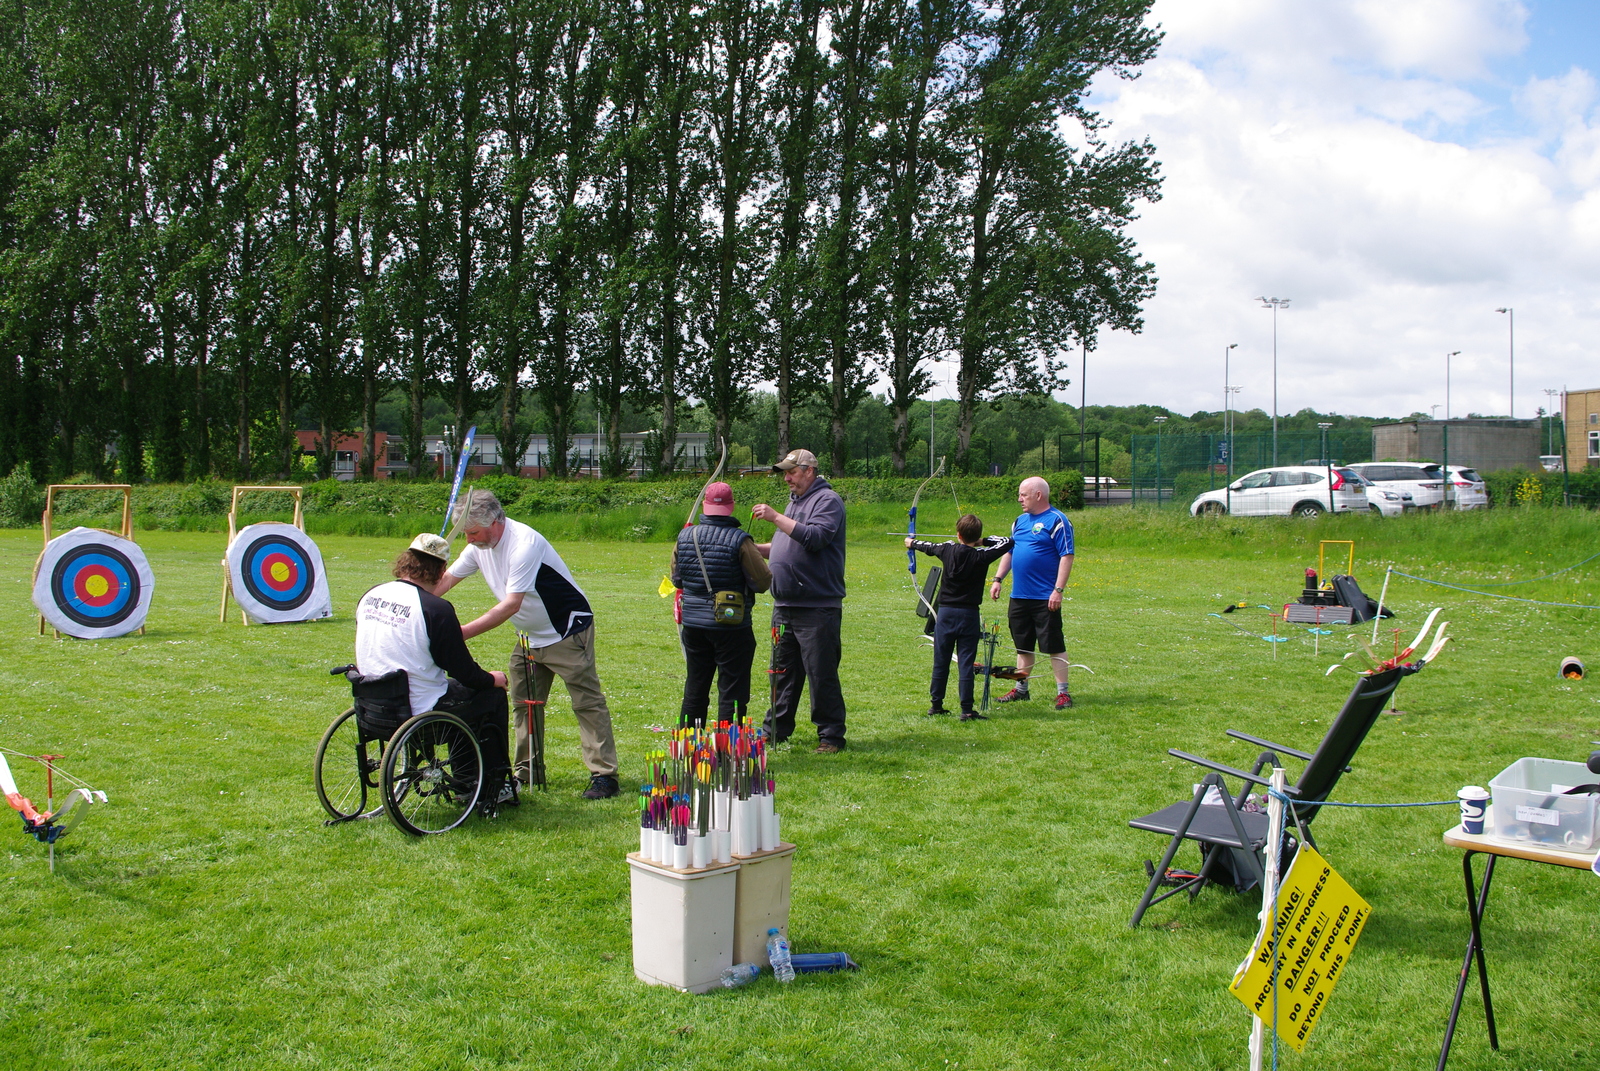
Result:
[982,874]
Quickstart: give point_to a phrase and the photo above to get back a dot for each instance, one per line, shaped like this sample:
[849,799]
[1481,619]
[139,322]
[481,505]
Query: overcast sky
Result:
[1398,169]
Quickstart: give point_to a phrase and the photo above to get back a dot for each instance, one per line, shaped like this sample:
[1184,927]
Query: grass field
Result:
[982,874]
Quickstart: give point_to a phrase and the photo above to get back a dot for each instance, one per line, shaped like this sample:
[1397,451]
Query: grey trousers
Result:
[571,659]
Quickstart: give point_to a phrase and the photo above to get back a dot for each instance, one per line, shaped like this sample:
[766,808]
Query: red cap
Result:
[718,501]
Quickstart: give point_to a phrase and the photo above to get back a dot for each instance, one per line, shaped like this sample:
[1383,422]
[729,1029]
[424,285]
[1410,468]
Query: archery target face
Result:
[93,585]
[277,574]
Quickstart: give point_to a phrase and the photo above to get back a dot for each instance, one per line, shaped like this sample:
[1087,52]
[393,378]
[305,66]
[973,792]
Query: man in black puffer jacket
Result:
[718,570]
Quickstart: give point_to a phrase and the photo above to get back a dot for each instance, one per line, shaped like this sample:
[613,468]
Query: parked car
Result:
[1381,500]
[1467,489]
[1300,490]
[1424,480]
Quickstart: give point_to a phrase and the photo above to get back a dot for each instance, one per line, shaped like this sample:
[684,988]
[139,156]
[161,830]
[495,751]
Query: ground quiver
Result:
[715,594]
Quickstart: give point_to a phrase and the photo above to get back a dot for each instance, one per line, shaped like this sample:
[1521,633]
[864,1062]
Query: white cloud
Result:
[1305,154]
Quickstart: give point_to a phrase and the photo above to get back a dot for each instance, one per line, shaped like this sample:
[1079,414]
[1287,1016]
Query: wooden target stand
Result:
[233,533]
[49,514]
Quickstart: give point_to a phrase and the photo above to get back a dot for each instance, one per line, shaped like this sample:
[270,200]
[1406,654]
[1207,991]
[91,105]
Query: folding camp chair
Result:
[1233,840]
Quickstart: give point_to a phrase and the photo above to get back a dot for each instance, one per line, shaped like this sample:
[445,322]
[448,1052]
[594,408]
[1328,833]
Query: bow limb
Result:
[911,527]
[694,510]
[911,530]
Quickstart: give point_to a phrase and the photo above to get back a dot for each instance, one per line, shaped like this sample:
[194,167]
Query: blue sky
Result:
[1398,168]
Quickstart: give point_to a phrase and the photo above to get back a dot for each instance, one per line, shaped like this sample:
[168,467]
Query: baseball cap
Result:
[797,459]
[431,545]
[718,500]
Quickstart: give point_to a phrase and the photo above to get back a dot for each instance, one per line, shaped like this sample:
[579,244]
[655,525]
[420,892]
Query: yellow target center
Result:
[97,586]
[280,571]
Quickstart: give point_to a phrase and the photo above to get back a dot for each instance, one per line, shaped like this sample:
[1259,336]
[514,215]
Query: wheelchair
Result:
[425,771]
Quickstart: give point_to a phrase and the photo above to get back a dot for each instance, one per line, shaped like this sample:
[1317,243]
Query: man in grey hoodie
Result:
[807,557]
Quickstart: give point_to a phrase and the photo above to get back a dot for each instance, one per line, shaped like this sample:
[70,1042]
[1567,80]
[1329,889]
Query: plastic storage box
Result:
[1528,804]
[682,923]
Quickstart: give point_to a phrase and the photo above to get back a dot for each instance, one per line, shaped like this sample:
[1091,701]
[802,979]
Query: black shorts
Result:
[1033,624]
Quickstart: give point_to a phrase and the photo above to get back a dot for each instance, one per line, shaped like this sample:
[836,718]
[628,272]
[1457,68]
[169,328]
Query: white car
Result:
[1424,480]
[1389,503]
[1467,489]
[1297,490]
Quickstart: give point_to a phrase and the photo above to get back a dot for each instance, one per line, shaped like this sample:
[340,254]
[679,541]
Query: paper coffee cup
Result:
[1474,805]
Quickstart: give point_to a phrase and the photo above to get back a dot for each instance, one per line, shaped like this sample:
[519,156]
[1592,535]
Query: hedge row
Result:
[22,501]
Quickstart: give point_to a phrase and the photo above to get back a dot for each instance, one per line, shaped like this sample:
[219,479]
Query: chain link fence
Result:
[1175,468]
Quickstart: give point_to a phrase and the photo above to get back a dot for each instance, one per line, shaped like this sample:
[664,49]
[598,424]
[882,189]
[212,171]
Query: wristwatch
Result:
[1063,590]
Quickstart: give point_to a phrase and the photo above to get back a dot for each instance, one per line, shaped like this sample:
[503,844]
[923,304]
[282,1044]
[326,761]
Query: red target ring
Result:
[279,572]
[96,586]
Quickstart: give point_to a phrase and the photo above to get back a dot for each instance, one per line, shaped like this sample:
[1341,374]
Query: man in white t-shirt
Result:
[555,630]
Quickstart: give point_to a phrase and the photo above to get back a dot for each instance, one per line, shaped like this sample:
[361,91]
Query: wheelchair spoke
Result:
[432,774]
[342,768]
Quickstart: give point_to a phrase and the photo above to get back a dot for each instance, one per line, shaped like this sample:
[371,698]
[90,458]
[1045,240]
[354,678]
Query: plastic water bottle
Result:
[778,953]
[740,974]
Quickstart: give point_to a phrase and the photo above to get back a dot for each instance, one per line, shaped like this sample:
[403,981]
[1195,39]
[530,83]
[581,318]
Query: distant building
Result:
[584,453]
[1487,444]
[1580,410]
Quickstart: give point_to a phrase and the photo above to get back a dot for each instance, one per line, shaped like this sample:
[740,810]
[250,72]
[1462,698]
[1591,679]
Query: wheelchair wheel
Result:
[346,768]
[432,774]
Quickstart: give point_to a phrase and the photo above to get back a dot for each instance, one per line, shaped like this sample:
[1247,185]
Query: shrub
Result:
[21,504]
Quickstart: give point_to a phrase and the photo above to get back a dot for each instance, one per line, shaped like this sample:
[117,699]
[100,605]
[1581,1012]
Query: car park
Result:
[1424,480]
[1298,490]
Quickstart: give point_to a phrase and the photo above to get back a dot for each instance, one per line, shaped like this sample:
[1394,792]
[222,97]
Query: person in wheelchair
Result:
[402,625]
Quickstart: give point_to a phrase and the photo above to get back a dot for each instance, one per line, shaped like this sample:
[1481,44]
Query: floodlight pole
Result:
[1160,420]
[1511,360]
[1452,353]
[1550,427]
[1227,419]
[1083,395]
[1274,304]
[1327,461]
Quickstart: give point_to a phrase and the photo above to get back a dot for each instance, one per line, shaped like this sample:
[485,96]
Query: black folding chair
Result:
[1233,840]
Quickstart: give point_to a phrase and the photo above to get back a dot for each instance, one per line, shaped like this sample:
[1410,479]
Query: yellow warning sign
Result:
[1319,919]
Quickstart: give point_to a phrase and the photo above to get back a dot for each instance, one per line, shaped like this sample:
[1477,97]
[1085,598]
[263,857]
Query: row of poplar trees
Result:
[219,215]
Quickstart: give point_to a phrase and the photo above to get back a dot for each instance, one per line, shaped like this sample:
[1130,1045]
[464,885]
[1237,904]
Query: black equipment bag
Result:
[1362,606]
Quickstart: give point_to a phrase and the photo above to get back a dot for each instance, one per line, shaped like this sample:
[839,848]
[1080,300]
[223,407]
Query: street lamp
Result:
[1511,357]
[1274,304]
[1327,461]
[1452,353]
[1159,421]
[1433,412]
[1083,397]
[1231,391]
[1549,435]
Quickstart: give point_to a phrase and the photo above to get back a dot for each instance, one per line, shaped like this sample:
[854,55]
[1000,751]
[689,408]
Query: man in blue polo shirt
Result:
[1040,563]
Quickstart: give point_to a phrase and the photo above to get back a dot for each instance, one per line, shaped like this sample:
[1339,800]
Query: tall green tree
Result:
[1047,256]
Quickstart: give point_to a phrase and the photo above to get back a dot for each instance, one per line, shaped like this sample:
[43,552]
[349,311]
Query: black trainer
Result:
[601,787]
[973,715]
[936,710]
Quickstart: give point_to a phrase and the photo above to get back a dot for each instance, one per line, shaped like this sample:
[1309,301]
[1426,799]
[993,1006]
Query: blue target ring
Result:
[278,573]
[95,586]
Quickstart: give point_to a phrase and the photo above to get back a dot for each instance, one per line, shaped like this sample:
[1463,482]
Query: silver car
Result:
[1424,480]
[1295,490]
[1467,489]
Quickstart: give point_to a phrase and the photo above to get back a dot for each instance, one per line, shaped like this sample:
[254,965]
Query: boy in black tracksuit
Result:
[966,567]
